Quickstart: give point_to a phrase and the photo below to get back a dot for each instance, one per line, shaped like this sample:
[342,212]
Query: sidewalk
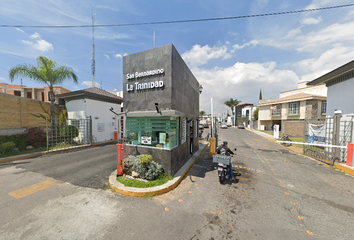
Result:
[142,192]
[341,166]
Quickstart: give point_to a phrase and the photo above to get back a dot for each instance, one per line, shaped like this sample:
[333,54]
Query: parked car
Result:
[241,126]
[201,126]
[206,125]
[223,126]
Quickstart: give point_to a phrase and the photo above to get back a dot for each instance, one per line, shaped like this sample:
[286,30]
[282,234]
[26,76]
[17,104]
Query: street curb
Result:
[339,166]
[31,155]
[158,190]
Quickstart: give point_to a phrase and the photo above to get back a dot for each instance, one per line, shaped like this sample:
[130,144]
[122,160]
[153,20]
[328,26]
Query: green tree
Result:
[202,113]
[260,95]
[45,73]
[232,103]
[255,114]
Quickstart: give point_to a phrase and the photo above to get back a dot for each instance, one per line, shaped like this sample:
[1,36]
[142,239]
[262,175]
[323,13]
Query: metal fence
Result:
[327,153]
[68,133]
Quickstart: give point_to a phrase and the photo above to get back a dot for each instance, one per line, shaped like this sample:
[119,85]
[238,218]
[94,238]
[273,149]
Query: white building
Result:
[95,103]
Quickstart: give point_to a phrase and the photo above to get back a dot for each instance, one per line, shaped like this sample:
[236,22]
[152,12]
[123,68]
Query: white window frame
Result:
[294,108]
[184,130]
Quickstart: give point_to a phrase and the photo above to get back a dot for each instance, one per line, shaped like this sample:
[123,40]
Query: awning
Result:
[156,114]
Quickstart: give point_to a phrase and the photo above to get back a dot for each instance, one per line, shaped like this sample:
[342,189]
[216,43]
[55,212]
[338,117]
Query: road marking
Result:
[282,185]
[309,232]
[23,192]
[286,193]
[292,203]
[301,218]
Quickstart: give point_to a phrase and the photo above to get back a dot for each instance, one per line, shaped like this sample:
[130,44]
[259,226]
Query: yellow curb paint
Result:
[301,218]
[309,232]
[343,168]
[23,192]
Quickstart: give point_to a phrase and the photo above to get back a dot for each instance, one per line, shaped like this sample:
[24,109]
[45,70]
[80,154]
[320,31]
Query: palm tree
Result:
[232,103]
[202,113]
[45,73]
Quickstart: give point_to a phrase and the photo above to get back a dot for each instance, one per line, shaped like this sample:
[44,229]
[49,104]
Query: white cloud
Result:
[89,84]
[107,56]
[199,55]
[35,36]
[18,29]
[39,43]
[119,55]
[3,79]
[237,47]
[242,81]
[329,60]
[311,21]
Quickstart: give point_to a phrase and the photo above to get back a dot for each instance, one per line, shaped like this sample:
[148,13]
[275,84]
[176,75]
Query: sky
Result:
[230,58]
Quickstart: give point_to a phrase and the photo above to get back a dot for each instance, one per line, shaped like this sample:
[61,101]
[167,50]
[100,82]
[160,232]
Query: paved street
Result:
[276,195]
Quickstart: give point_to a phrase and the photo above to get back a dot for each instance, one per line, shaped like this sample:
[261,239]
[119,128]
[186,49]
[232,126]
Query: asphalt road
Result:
[276,195]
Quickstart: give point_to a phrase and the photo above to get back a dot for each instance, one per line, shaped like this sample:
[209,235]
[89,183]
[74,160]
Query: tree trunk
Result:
[52,113]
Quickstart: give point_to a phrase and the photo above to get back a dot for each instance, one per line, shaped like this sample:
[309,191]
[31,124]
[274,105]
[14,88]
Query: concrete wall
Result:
[180,92]
[320,90]
[340,96]
[16,112]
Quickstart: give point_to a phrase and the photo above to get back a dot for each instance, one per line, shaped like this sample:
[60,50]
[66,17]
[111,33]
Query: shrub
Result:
[145,159]
[6,147]
[35,137]
[69,132]
[18,139]
[149,171]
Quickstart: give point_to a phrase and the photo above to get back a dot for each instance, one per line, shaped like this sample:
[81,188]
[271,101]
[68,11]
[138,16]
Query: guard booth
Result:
[161,98]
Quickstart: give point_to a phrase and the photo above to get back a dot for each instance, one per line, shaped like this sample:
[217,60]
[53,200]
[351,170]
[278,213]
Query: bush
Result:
[19,140]
[145,159]
[69,132]
[35,137]
[7,147]
[149,171]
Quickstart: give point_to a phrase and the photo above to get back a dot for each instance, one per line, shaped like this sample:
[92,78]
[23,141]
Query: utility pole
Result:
[93,63]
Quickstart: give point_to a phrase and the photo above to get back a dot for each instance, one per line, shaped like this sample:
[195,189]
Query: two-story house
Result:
[291,109]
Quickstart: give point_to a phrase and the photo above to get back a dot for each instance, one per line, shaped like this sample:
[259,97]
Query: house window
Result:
[277,110]
[17,93]
[294,108]
[29,95]
[324,107]
[159,132]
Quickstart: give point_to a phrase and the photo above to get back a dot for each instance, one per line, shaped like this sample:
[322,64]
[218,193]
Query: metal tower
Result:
[93,64]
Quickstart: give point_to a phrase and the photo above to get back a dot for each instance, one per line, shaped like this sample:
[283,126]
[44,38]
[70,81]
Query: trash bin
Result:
[115,135]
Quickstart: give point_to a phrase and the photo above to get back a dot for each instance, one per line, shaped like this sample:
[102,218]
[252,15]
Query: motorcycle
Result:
[224,163]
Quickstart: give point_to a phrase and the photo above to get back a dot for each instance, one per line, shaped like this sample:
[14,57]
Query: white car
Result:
[223,126]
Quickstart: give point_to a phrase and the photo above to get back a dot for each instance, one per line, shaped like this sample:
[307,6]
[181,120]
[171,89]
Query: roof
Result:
[92,93]
[334,74]
[292,98]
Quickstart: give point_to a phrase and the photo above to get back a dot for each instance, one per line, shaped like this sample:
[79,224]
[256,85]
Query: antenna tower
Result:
[93,64]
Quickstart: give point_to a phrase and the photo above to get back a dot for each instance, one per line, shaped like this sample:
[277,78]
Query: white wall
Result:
[100,114]
[104,122]
[341,96]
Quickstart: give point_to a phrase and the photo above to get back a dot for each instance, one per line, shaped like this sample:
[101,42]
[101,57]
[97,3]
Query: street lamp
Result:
[200,89]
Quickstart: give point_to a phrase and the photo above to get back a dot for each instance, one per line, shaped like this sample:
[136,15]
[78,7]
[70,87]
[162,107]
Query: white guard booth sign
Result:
[146,140]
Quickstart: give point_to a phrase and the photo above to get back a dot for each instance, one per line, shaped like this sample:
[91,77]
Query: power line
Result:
[180,21]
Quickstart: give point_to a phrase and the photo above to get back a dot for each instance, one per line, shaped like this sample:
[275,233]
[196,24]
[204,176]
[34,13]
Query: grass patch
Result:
[163,178]
[297,139]
[12,154]
[269,132]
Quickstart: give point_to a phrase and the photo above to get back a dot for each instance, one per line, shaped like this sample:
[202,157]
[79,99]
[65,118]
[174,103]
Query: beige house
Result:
[291,109]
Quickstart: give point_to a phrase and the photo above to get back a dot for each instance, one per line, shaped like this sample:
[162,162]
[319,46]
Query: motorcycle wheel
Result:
[221,179]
